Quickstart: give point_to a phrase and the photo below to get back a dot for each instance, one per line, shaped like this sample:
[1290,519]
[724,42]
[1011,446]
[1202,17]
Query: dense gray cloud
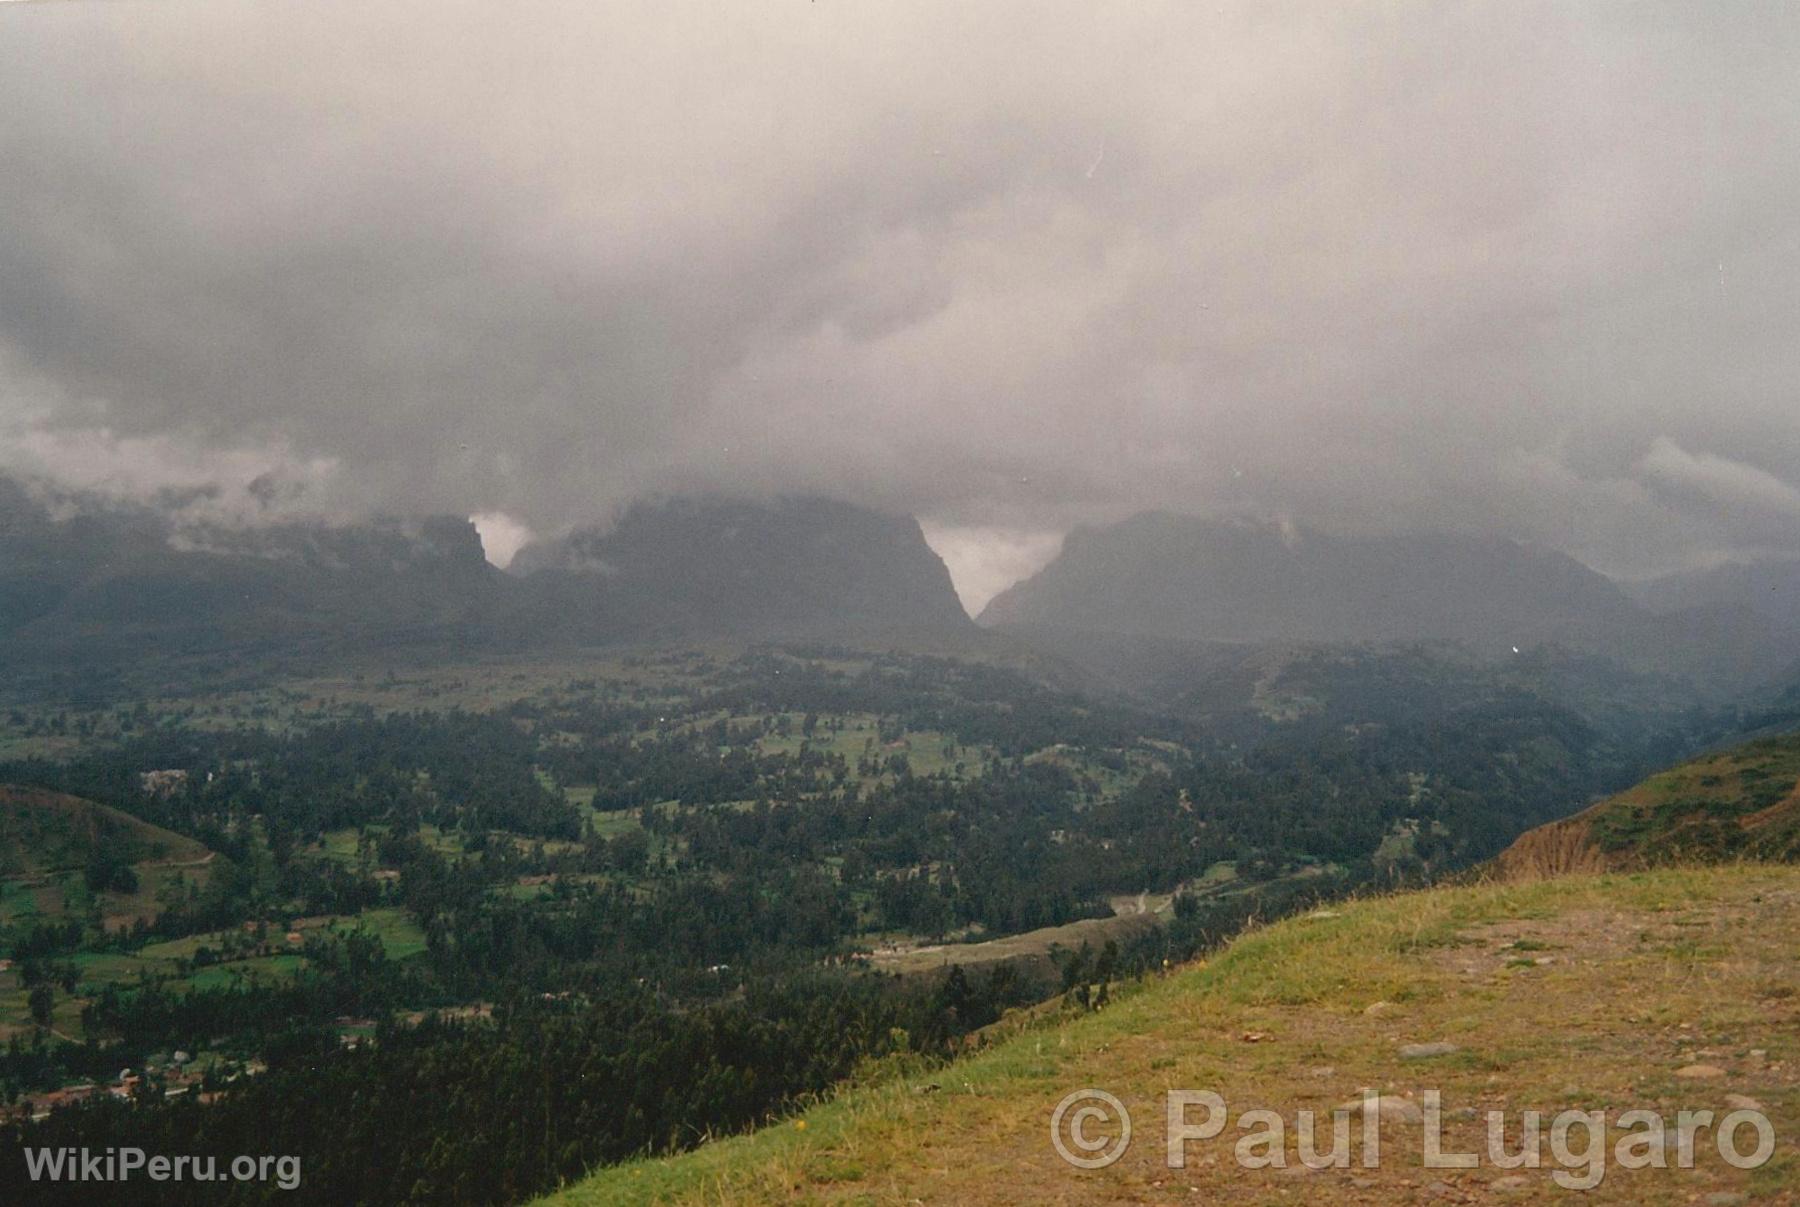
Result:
[1010,267]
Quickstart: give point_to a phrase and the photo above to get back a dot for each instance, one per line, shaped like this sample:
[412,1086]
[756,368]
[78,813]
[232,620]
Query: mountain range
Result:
[1156,590]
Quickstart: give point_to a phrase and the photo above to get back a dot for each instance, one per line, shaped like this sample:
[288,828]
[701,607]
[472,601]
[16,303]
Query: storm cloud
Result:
[1524,268]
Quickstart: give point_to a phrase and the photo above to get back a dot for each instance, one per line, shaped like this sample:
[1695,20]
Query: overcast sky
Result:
[1516,267]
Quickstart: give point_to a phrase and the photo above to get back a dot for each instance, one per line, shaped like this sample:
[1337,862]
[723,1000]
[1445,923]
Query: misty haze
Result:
[867,603]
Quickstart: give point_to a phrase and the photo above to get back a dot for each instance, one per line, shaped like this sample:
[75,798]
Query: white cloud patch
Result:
[501,536]
[1721,481]
[188,482]
[985,561]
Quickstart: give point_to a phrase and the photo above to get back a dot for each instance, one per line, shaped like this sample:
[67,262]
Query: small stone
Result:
[1377,1009]
[1364,1183]
[1441,1189]
[1543,960]
[1387,1108]
[1510,1183]
[1742,1102]
[1699,1072]
[1323,1071]
[1426,1051]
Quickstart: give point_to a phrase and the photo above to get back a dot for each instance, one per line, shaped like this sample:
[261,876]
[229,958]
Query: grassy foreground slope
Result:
[1598,992]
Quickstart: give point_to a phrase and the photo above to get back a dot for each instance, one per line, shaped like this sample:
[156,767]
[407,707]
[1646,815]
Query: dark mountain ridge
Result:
[791,567]
[1163,575]
[118,583]
[1174,578]
[1769,588]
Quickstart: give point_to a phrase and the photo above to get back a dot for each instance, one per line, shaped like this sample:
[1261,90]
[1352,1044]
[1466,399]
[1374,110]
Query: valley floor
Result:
[1666,991]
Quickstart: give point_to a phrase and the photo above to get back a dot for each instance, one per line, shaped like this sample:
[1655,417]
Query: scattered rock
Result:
[1442,1190]
[1387,1108]
[1543,960]
[1256,1037]
[1699,1072]
[1364,1183]
[1510,1183]
[1323,1071]
[1426,1051]
[1742,1102]
[1377,1009]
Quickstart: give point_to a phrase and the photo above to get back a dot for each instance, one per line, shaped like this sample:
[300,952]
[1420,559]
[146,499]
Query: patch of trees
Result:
[498,1112]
